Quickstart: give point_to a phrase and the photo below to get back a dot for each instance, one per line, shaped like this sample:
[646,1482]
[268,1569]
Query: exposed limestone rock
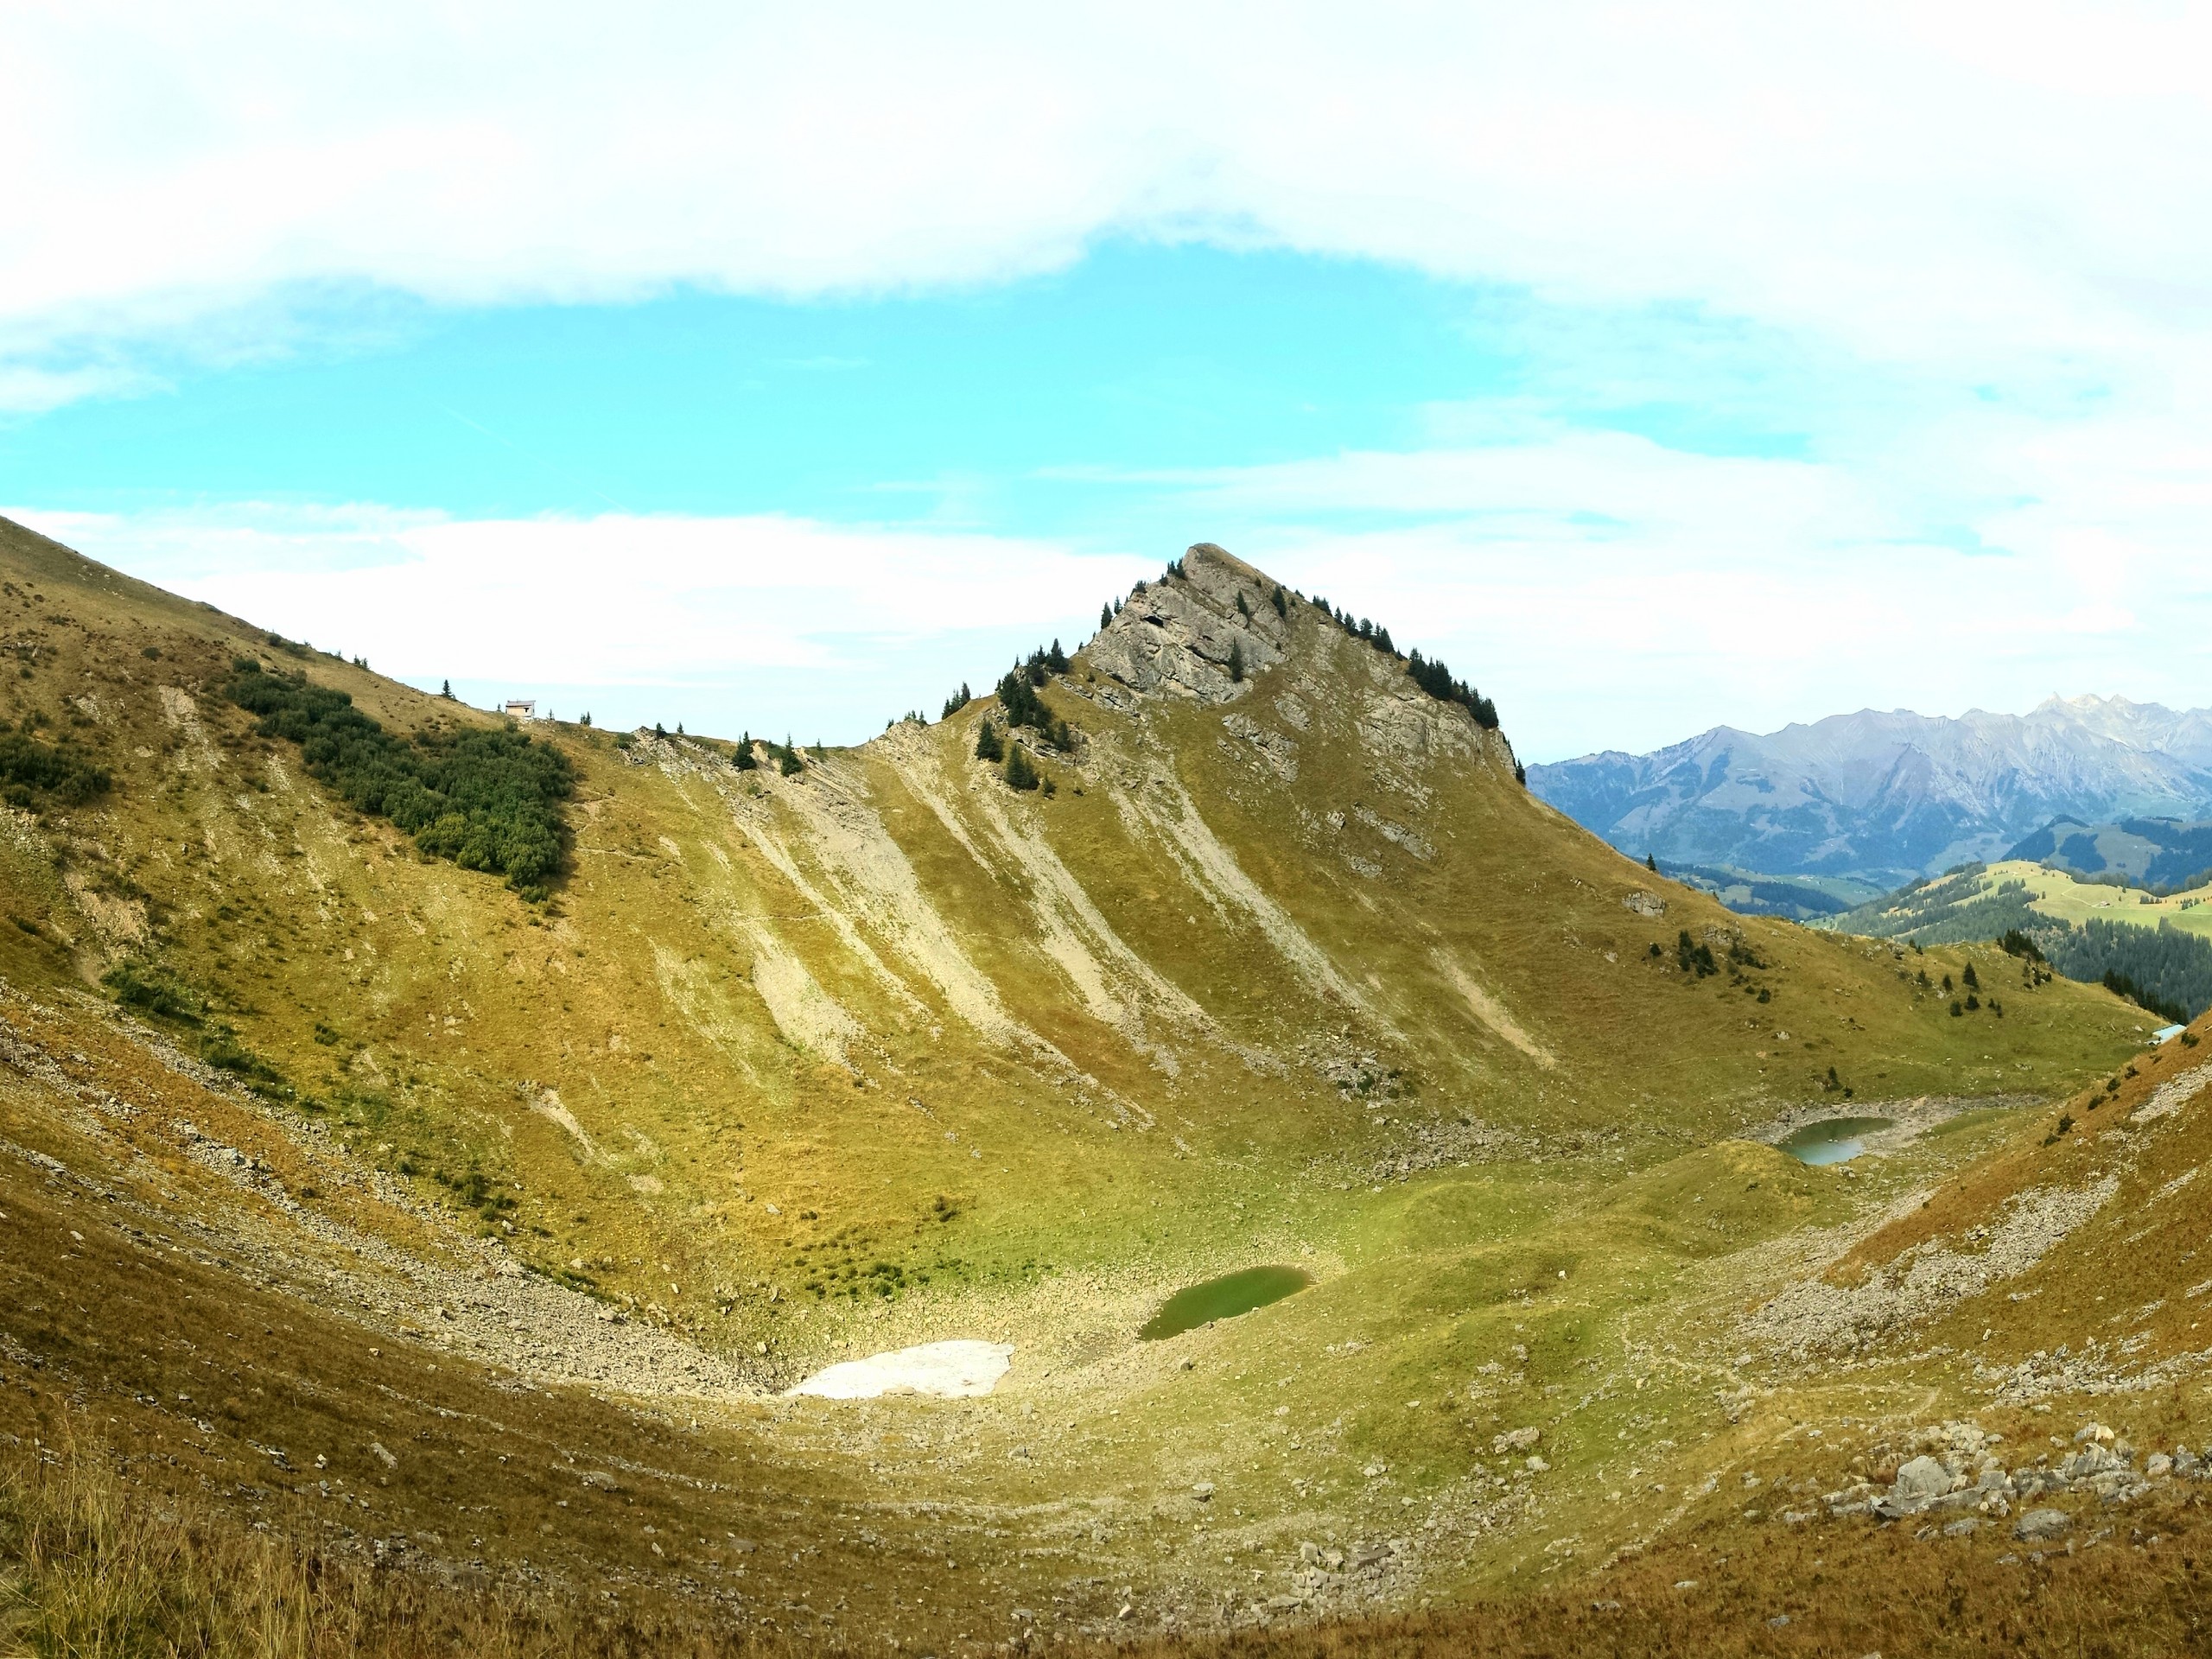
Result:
[1818,1316]
[1278,754]
[1177,636]
[2172,1094]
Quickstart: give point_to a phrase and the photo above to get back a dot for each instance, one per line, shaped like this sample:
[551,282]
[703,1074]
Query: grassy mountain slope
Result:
[1935,910]
[788,1068]
[2154,948]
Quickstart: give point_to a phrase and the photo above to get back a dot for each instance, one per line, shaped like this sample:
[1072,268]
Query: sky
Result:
[1656,368]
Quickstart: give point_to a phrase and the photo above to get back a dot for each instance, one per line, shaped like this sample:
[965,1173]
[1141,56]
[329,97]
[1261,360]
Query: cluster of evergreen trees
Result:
[785,757]
[2166,971]
[486,800]
[1021,772]
[1018,698]
[1360,629]
[1433,678]
[35,774]
[1020,706]
[1429,673]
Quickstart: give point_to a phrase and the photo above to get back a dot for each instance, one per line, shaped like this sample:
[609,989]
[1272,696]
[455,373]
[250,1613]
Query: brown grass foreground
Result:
[94,1567]
[91,1566]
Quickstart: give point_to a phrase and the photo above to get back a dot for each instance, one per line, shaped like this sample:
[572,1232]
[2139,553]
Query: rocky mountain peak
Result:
[1187,635]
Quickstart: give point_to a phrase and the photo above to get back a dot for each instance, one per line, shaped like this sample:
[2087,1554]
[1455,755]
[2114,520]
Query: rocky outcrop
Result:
[1183,634]
[1960,1474]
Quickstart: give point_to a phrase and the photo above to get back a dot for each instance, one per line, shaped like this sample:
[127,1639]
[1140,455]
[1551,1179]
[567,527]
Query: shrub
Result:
[36,775]
[152,991]
[1693,958]
[487,799]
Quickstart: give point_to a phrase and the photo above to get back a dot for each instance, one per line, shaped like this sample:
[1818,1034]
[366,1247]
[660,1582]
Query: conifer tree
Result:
[1242,609]
[743,760]
[986,742]
[446,691]
[658,732]
[1236,659]
[1056,659]
[1651,862]
[1020,774]
[1281,604]
[1105,617]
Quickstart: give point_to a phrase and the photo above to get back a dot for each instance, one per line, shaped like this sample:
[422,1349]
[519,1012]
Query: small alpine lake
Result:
[1224,1298]
[1831,1140]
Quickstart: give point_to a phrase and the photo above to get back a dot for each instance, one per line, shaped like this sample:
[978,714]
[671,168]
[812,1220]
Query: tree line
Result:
[486,798]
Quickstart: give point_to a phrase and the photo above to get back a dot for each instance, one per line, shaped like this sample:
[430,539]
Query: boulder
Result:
[2038,1525]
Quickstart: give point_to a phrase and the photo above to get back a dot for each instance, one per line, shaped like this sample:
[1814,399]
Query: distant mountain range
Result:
[1864,803]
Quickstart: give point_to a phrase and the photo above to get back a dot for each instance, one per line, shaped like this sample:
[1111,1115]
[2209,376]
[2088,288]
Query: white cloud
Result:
[768,622]
[1930,180]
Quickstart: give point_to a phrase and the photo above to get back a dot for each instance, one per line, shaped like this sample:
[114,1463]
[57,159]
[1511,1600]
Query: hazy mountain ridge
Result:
[1889,796]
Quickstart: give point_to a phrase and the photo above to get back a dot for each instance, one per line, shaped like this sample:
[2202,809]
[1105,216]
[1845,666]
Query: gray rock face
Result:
[1178,635]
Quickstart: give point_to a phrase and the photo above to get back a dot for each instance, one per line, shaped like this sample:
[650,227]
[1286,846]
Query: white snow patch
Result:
[951,1370]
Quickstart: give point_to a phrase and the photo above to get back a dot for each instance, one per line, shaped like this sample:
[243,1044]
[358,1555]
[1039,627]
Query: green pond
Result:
[1831,1141]
[1222,1299]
